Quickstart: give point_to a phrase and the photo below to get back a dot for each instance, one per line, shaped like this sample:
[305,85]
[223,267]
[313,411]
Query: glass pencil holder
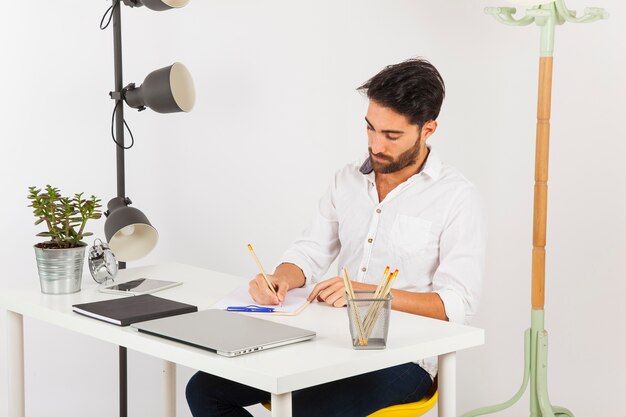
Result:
[369,320]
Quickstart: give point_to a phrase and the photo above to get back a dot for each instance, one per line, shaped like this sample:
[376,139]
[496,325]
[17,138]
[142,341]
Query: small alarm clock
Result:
[102,262]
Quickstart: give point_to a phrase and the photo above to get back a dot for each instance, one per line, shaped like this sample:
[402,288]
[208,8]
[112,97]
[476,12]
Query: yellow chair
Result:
[415,409]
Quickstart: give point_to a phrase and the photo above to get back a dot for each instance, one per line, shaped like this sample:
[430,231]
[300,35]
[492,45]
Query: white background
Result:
[277,113]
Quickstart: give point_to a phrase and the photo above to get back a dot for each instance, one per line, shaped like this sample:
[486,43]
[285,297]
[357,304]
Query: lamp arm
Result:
[132,3]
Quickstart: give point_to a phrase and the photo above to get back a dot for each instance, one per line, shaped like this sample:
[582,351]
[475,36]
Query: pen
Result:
[267,280]
[251,309]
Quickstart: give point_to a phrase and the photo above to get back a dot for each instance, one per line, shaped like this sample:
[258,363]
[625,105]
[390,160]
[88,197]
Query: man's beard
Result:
[405,159]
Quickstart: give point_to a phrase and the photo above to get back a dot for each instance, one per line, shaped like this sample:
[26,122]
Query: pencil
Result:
[371,311]
[375,309]
[383,279]
[267,280]
[362,341]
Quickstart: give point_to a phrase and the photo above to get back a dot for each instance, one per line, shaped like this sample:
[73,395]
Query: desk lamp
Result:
[546,14]
[165,90]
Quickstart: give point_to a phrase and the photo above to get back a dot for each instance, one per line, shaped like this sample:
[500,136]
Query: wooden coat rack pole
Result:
[540,214]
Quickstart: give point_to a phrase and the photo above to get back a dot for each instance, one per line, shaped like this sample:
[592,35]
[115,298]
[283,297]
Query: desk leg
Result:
[447,385]
[169,388]
[123,374]
[281,405]
[15,363]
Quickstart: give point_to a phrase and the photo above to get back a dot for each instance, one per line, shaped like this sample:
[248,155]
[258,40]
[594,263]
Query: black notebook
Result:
[129,310]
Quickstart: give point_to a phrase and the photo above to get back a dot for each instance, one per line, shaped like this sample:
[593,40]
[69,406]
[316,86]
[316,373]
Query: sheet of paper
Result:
[293,303]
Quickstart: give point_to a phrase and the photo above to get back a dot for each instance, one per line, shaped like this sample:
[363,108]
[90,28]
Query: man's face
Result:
[393,142]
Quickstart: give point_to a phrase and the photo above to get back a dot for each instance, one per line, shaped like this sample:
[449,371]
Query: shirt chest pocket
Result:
[410,235]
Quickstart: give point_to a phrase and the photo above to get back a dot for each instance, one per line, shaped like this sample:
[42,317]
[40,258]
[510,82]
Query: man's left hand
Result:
[332,291]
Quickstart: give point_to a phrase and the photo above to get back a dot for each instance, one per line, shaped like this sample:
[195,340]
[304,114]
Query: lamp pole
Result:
[119,101]
[121,184]
[546,14]
[161,95]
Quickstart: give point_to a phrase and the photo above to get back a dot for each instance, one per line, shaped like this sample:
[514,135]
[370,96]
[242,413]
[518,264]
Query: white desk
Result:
[279,371]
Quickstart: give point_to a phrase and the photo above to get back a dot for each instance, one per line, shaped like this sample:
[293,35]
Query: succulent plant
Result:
[65,217]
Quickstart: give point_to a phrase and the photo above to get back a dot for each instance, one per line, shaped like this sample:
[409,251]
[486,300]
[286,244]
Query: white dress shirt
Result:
[431,228]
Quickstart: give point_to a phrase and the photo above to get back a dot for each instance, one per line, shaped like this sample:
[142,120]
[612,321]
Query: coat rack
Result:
[547,15]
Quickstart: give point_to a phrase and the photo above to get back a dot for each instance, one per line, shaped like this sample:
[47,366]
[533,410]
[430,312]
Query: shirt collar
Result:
[432,166]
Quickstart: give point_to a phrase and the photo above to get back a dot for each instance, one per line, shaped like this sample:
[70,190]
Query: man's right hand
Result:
[262,294]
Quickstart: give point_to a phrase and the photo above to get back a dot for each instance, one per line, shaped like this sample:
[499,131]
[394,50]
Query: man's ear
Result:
[428,129]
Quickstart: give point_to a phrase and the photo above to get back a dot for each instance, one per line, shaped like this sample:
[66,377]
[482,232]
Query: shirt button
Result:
[364,269]
[370,240]
[378,211]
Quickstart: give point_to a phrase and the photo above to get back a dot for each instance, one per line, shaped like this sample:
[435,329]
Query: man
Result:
[401,207]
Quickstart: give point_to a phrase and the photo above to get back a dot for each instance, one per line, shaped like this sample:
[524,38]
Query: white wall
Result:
[276,114]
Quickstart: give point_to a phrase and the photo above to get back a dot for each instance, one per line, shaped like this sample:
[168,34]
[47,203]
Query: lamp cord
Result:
[109,12]
[132,139]
[108,16]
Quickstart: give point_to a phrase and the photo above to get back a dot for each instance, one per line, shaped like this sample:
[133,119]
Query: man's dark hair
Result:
[413,88]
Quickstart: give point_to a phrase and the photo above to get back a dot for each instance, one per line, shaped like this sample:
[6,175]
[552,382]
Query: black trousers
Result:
[357,396]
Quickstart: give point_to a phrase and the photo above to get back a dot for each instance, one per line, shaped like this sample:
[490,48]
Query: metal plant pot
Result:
[60,270]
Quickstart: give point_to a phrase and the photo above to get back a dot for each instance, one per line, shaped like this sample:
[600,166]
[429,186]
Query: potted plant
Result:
[60,259]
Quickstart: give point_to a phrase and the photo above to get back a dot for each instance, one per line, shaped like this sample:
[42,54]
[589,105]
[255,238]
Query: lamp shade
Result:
[128,231]
[166,90]
[160,5]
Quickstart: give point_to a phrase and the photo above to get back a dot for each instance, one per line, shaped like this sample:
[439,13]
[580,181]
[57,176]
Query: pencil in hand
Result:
[267,280]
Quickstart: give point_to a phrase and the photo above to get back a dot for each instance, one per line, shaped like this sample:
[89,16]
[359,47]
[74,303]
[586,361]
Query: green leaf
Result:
[87,234]
[39,221]
[45,234]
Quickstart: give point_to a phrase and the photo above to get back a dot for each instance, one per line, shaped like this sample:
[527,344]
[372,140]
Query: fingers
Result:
[318,288]
[337,298]
[330,291]
[283,287]
[261,293]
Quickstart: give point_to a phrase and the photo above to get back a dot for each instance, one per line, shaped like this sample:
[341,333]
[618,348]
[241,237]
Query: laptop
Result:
[225,333]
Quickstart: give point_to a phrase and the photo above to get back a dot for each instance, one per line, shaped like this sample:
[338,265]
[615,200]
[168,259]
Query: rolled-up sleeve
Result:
[458,278]
[318,246]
